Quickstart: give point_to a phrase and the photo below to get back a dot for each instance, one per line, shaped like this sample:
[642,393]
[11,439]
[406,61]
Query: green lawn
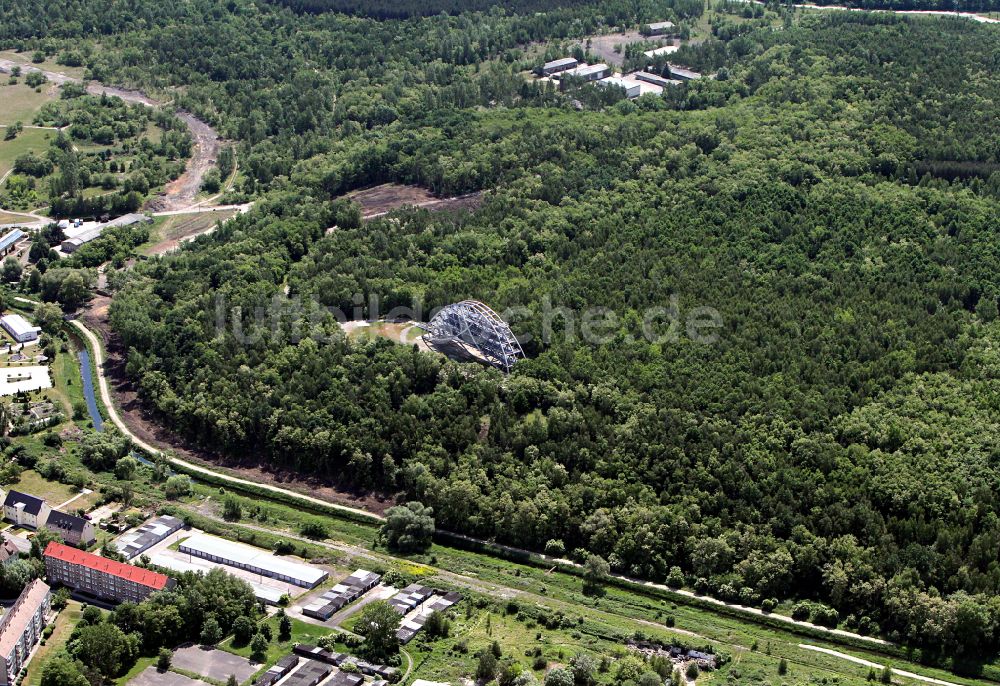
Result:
[64,625]
[29,140]
[301,633]
[20,102]
[53,493]
[68,387]
[139,667]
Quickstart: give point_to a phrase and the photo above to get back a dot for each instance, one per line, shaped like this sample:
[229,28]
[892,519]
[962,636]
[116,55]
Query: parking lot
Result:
[153,677]
[212,663]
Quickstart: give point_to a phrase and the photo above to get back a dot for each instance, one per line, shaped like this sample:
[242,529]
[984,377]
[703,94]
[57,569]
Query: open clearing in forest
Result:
[389,196]
[168,233]
[29,140]
[379,200]
[605,45]
[49,64]
[18,103]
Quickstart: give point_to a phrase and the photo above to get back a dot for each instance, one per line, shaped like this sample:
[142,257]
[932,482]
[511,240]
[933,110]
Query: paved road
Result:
[117,421]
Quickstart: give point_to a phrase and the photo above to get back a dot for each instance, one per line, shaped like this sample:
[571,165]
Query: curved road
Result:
[116,419]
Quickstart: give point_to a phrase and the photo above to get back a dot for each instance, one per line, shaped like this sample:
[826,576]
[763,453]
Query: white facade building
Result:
[20,329]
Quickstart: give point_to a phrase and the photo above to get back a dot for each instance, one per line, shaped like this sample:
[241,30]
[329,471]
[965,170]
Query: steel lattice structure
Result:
[476,326]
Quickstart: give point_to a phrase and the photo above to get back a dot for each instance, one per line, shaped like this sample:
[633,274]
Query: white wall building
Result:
[20,329]
[256,560]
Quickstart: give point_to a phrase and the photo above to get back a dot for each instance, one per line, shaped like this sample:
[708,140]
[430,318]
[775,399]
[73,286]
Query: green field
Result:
[49,64]
[29,140]
[64,625]
[20,102]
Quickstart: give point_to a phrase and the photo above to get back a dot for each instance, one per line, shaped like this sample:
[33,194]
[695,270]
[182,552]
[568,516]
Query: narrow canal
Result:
[88,390]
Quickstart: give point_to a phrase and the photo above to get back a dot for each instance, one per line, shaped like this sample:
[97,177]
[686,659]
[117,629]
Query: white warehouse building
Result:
[255,560]
[20,329]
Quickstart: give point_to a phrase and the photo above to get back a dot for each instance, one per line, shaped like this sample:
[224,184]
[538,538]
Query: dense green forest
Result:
[832,195]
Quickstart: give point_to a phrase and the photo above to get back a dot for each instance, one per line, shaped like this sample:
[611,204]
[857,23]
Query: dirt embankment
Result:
[250,466]
[182,192]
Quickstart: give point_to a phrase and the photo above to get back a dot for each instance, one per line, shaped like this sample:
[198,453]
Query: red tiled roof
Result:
[101,564]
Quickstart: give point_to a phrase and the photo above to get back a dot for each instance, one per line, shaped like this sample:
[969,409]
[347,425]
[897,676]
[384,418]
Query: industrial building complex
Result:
[94,230]
[344,593]
[253,560]
[568,71]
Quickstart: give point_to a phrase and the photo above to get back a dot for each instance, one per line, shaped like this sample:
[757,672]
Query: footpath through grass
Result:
[64,625]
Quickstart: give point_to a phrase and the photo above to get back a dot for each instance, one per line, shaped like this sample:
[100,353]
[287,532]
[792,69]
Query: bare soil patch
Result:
[179,228]
[605,45]
[380,200]
[183,191]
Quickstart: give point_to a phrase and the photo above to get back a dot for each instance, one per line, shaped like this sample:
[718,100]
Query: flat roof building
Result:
[661,28]
[656,79]
[631,88]
[665,50]
[411,626]
[589,72]
[252,559]
[683,73]
[341,595]
[138,541]
[20,329]
[559,65]
[309,673]
[21,628]
[101,577]
[280,669]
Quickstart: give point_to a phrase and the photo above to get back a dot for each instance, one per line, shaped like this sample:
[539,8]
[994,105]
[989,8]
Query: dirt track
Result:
[181,192]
